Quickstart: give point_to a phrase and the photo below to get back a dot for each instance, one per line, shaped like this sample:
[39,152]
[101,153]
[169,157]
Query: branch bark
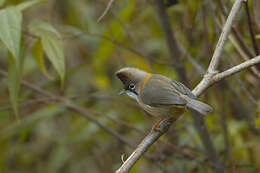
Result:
[223,37]
[106,10]
[152,137]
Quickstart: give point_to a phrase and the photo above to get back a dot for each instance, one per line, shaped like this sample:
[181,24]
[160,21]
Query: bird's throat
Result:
[131,94]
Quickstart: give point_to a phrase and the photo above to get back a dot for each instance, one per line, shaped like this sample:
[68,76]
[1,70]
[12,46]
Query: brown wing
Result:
[159,90]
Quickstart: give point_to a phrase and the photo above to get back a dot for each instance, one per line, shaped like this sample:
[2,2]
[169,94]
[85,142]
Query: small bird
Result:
[158,95]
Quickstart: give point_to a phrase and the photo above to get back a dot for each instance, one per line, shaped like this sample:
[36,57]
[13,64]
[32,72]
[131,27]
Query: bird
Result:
[159,95]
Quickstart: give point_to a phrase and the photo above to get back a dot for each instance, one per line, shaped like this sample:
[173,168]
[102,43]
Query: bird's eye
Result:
[132,86]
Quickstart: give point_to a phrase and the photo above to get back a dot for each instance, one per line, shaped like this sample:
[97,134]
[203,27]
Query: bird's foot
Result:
[163,125]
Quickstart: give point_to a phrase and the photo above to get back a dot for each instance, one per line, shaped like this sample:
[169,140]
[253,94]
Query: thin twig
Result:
[240,50]
[235,69]
[235,31]
[251,31]
[106,10]
[191,59]
[253,69]
[248,94]
[204,83]
[144,145]
[223,37]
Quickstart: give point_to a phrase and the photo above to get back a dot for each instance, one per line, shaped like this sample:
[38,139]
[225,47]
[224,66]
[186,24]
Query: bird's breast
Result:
[162,111]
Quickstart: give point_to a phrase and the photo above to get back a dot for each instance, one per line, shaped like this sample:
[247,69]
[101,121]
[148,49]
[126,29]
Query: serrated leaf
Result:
[10,29]
[28,4]
[52,46]
[37,53]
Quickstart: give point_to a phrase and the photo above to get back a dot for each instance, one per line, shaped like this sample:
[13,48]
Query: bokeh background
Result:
[54,136]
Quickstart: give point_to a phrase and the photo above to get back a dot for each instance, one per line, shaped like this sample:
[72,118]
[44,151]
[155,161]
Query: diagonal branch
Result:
[236,69]
[106,10]
[235,31]
[223,37]
[204,83]
[152,137]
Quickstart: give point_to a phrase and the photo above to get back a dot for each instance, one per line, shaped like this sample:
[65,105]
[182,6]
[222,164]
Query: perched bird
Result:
[159,95]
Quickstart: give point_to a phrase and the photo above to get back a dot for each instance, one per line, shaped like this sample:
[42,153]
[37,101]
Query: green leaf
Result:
[14,77]
[37,53]
[10,35]
[40,28]
[52,46]
[28,4]
[10,29]
[257,36]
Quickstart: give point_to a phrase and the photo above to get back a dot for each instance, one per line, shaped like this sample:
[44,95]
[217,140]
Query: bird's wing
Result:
[159,91]
[182,89]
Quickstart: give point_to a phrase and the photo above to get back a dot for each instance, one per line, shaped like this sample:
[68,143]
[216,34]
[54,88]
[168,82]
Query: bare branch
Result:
[145,144]
[236,69]
[106,10]
[206,81]
[223,37]
[235,31]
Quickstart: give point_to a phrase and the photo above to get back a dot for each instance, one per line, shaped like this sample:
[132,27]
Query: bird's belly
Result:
[163,111]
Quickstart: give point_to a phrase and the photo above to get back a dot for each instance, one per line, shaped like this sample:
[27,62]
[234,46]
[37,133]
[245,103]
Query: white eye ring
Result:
[132,86]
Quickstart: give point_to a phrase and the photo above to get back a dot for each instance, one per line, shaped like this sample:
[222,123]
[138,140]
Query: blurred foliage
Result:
[39,38]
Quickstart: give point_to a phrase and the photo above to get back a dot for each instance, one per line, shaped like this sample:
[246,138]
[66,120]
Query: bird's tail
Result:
[198,106]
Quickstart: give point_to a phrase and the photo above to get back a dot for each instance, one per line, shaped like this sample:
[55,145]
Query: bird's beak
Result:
[122,91]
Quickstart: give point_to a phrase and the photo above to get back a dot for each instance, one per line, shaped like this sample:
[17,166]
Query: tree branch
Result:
[236,33]
[152,137]
[106,10]
[223,37]
[205,82]
[236,69]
